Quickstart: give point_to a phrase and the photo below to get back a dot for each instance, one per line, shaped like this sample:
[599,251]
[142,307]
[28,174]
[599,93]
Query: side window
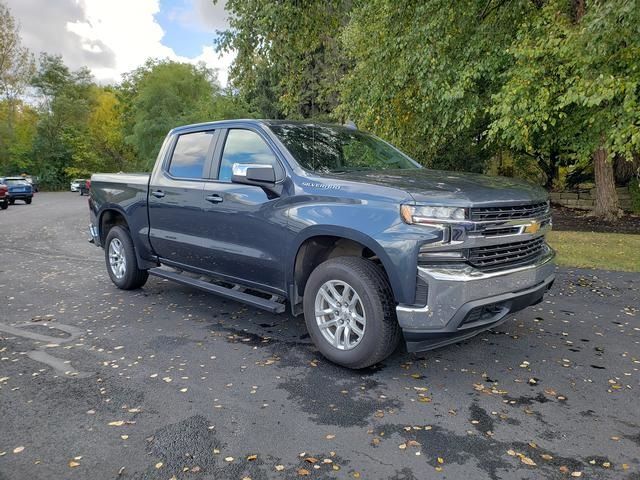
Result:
[190,155]
[244,146]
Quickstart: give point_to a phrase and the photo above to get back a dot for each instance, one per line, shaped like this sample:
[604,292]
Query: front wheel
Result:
[28,201]
[4,205]
[121,260]
[350,312]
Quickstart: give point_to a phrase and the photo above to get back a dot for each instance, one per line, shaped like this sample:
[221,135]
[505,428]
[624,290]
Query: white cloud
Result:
[110,37]
[220,62]
[203,15]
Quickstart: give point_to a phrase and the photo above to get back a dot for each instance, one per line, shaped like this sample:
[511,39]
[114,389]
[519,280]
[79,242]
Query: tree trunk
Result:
[578,10]
[606,196]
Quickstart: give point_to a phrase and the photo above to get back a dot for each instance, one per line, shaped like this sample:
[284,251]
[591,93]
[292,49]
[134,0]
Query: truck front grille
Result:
[495,257]
[480,214]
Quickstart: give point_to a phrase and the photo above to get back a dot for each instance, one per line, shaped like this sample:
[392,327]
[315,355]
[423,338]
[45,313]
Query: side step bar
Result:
[234,294]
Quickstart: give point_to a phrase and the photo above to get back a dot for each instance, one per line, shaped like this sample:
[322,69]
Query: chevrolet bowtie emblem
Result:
[532,228]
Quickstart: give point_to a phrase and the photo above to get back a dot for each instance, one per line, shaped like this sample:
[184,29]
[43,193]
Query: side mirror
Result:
[253,174]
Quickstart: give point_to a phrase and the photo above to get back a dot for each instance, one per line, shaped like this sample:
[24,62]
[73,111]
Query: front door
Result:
[245,225]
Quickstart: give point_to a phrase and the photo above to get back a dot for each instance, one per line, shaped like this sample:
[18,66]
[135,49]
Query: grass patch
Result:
[606,251]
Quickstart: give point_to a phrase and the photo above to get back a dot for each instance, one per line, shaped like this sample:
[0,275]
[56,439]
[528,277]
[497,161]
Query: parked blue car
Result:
[19,189]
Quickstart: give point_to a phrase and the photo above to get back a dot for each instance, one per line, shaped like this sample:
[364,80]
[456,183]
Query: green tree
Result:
[162,95]
[16,136]
[102,147]
[16,62]
[66,100]
[16,68]
[572,90]
[289,58]
[425,72]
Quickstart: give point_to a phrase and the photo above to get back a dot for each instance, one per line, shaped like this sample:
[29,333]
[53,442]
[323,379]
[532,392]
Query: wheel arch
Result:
[316,245]
[112,215]
[108,218]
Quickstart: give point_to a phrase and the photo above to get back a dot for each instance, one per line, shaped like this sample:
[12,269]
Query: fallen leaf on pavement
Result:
[527,461]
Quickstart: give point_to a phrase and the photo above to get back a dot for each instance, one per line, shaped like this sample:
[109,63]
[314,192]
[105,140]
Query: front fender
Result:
[398,284]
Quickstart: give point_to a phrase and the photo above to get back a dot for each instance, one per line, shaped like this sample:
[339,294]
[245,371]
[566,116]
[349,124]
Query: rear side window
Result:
[244,146]
[190,155]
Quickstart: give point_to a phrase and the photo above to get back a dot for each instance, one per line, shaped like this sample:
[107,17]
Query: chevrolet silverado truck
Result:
[336,224]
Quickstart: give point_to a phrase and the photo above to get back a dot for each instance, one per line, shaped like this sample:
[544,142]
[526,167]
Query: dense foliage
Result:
[59,124]
[543,89]
[535,88]
[162,95]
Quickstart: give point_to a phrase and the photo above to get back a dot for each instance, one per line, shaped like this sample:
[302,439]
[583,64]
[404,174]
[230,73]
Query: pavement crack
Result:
[374,459]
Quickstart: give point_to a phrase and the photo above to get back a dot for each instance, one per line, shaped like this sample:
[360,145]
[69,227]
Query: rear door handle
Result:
[158,193]
[215,198]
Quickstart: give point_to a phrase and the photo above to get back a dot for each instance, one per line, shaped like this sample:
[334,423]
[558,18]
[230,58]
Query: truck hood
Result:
[453,188]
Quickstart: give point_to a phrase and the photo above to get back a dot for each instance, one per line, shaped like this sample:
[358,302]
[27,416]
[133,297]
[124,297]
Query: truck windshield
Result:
[335,149]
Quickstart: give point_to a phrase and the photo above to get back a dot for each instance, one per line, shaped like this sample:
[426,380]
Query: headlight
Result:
[416,214]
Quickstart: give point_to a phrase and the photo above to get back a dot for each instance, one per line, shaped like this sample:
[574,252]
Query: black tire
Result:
[382,332]
[133,277]
[28,201]
[12,201]
[4,205]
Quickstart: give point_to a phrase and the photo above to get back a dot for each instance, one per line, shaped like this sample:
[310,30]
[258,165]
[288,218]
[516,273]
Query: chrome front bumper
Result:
[454,293]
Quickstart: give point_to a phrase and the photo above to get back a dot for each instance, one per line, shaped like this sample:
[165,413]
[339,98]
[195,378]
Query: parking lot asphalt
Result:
[169,382]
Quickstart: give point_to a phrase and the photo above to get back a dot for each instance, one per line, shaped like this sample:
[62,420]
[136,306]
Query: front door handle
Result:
[215,198]
[158,193]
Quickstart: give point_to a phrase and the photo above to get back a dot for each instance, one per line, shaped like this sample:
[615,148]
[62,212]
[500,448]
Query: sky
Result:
[112,37]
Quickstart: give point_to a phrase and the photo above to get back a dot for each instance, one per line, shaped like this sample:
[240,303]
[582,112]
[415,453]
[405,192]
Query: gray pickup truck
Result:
[335,223]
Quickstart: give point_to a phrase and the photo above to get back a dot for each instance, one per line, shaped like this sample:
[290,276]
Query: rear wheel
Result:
[121,260]
[12,201]
[4,205]
[350,312]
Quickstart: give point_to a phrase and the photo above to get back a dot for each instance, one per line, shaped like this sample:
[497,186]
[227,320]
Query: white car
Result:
[75,184]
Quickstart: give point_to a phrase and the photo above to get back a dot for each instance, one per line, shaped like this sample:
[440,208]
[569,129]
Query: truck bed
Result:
[125,192]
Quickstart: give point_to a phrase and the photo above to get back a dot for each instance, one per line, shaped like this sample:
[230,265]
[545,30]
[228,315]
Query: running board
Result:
[234,294]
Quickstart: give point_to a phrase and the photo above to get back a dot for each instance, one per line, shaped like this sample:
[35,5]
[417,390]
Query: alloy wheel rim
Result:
[117,260]
[340,314]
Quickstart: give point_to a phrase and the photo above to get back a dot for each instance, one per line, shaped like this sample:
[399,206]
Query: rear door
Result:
[176,202]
